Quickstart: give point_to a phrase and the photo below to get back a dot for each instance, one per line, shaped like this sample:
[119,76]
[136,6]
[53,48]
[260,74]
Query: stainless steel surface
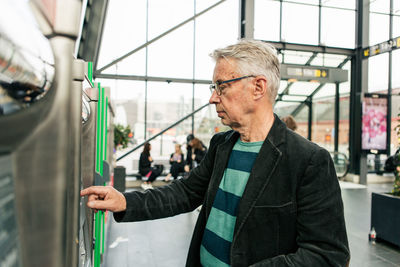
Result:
[26,59]
[88,154]
[46,172]
[9,251]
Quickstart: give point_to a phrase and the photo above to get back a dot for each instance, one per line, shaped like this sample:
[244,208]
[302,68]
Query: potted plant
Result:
[385,207]
[122,136]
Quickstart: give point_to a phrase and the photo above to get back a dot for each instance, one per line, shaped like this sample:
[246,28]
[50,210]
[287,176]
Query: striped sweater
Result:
[218,234]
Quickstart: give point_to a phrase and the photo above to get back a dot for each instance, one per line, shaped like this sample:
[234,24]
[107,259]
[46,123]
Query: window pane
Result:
[340,3]
[396,68]
[128,99]
[300,23]
[302,122]
[296,57]
[167,103]
[266,20]
[204,4]
[378,28]
[328,60]
[326,91]
[396,26]
[114,44]
[206,121]
[163,15]
[378,69]
[344,124]
[323,122]
[382,6]
[396,7]
[135,64]
[293,98]
[282,86]
[220,34]
[172,55]
[303,88]
[284,108]
[338,32]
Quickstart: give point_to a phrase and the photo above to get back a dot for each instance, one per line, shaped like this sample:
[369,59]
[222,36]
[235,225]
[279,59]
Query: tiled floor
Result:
[164,243]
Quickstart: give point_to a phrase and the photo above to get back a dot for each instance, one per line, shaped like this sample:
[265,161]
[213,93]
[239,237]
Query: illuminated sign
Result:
[381,48]
[293,72]
[306,72]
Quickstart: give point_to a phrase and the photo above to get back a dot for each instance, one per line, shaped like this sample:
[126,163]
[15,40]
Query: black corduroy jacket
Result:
[290,214]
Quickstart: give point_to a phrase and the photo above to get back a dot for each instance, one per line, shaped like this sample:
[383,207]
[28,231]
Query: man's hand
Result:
[104,198]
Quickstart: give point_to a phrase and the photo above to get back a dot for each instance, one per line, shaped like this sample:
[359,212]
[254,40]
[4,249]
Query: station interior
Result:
[84,84]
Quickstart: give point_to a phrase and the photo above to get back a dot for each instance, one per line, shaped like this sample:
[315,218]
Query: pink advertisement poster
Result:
[374,123]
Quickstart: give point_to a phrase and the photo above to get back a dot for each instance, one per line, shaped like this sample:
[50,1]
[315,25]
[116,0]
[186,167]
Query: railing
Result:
[163,131]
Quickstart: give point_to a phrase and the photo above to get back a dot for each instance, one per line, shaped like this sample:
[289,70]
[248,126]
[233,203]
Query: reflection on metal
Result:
[25,76]
[85,109]
[87,97]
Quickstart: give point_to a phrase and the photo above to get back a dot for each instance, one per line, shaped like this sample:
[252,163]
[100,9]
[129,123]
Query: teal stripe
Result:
[248,147]
[208,260]
[234,181]
[222,224]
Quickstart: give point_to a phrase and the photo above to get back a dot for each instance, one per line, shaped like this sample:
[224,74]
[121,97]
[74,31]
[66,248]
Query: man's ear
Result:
[260,89]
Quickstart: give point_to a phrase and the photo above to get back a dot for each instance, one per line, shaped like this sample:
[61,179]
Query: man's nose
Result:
[214,99]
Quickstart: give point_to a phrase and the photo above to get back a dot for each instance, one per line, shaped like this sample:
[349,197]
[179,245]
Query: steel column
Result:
[337,118]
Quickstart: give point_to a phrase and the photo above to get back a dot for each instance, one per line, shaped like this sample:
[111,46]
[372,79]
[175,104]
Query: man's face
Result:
[234,103]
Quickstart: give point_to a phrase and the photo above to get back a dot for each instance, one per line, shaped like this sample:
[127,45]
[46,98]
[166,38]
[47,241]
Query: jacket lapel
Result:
[265,164]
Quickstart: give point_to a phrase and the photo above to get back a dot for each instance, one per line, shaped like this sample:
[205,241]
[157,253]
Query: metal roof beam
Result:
[314,55]
[150,78]
[312,48]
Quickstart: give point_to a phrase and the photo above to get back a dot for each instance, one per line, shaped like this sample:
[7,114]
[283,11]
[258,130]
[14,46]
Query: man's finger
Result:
[92,197]
[98,190]
[98,204]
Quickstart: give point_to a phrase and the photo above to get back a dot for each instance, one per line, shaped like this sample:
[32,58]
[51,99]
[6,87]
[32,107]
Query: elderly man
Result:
[269,196]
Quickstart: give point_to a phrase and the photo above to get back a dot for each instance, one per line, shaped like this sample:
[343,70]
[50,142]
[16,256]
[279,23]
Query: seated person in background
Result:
[145,168]
[189,159]
[290,122]
[177,163]
[198,151]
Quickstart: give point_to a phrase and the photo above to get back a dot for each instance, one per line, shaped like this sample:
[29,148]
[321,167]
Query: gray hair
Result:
[254,58]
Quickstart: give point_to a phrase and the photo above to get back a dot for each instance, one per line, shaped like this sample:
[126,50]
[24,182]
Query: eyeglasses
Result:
[216,86]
